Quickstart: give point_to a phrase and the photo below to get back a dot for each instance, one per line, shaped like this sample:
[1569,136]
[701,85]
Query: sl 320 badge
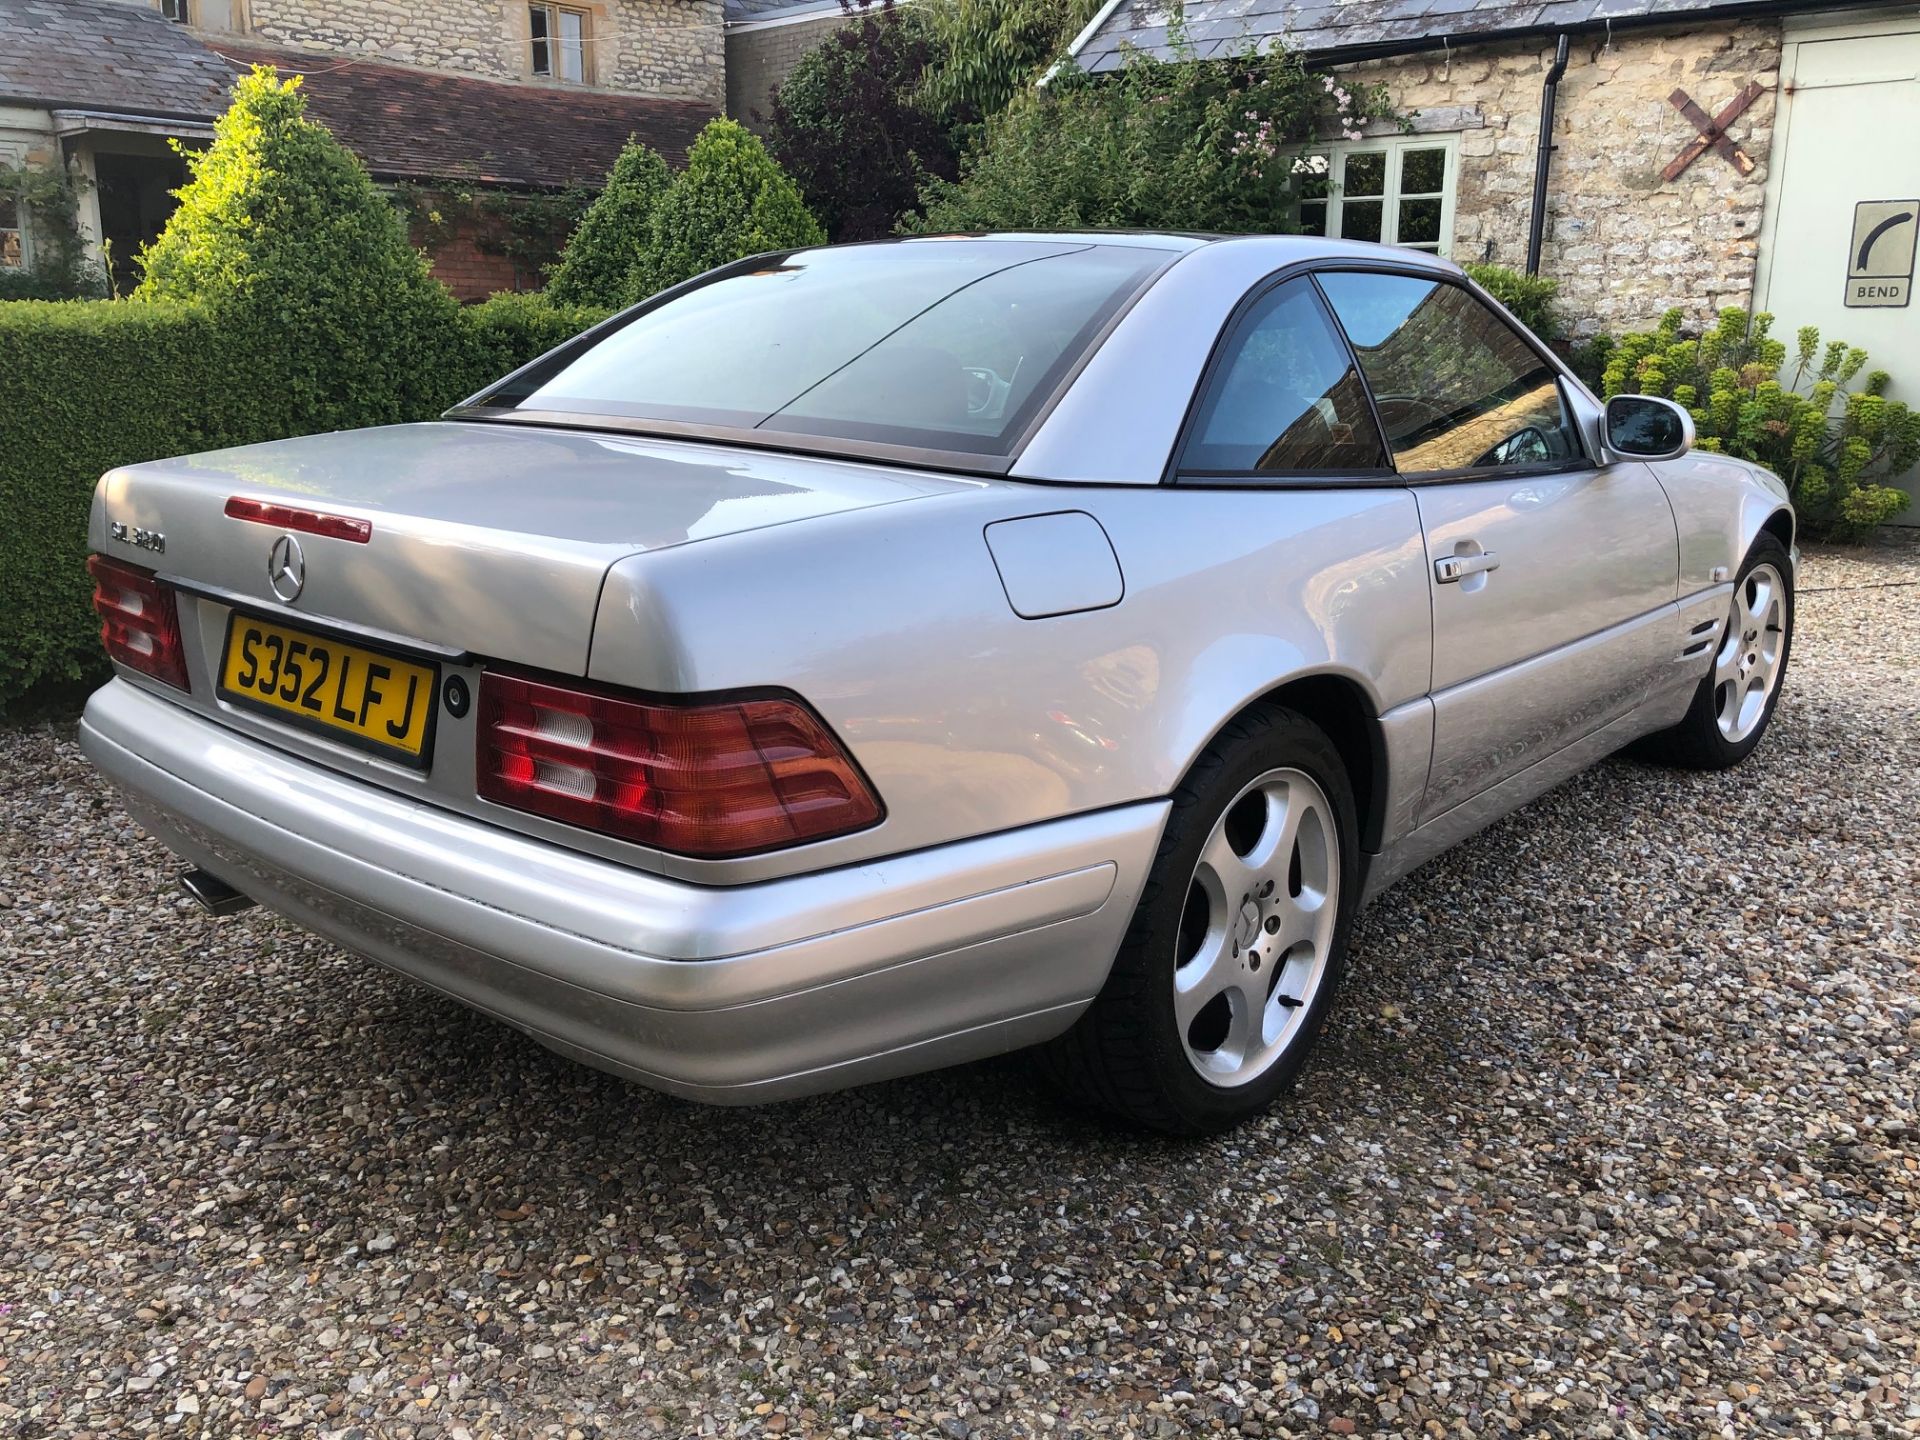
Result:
[137,536]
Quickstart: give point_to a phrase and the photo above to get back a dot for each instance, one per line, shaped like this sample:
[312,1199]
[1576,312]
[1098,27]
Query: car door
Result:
[1552,576]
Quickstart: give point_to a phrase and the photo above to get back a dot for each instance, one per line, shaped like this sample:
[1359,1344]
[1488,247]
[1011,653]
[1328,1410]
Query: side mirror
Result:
[1645,427]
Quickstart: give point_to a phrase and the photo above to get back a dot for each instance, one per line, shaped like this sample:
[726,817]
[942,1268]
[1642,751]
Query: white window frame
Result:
[176,11]
[22,226]
[557,47]
[1395,148]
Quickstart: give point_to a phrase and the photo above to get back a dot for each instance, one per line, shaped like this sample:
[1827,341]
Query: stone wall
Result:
[760,57]
[645,47]
[1624,244]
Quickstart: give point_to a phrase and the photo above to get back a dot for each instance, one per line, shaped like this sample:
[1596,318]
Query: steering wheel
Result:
[1522,447]
[986,391]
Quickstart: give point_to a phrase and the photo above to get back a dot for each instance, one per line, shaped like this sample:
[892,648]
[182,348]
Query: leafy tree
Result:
[1174,144]
[988,51]
[597,267]
[848,128]
[281,233]
[1834,446]
[732,201]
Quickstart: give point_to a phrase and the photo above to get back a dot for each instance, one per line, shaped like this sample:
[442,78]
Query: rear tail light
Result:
[139,620]
[707,779]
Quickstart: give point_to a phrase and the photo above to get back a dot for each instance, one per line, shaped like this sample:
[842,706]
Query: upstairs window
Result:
[176,11]
[1396,190]
[559,42]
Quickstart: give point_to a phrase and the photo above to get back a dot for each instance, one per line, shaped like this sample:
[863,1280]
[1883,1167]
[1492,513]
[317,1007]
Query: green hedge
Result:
[95,384]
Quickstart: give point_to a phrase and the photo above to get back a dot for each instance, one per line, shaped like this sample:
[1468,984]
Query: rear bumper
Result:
[737,994]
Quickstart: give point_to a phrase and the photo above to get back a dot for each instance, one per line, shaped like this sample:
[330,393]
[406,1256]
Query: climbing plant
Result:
[47,199]
[528,227]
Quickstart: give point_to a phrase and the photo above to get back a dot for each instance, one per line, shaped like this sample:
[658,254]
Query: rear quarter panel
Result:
[969,719]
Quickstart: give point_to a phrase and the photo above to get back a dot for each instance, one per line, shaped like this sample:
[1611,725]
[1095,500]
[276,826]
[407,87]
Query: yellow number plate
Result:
[375,700]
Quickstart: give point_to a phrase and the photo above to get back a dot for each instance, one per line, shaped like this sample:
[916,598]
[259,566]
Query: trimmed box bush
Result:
[282,232]
[730,202]
[604,253]
[91,385]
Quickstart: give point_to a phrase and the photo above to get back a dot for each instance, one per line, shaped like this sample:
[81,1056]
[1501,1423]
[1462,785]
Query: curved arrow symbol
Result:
[1874,234]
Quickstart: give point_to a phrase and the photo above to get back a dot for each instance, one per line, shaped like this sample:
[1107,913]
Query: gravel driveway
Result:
[1614,1133]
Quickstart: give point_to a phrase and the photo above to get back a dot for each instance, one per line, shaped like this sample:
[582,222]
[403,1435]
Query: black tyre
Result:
[1735,702]
[1238,944]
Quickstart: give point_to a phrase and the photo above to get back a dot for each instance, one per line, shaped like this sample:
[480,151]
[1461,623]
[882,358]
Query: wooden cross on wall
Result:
[1713,133]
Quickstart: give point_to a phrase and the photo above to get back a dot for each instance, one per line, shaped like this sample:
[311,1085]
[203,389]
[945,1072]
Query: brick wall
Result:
[1624,244]
[471,272]
[760,57]
[475,253]
[647,47]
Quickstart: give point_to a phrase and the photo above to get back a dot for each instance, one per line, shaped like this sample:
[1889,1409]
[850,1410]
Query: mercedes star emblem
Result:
[286,568]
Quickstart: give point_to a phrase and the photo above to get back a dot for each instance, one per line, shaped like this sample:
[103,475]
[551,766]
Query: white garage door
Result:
[1843,197]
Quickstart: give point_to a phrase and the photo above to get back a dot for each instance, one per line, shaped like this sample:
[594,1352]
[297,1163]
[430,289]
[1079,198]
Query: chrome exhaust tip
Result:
[213,894]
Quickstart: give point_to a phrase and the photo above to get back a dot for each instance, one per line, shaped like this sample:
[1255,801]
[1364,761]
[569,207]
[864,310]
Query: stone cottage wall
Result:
[647,47]
[760,57]
[1624,244]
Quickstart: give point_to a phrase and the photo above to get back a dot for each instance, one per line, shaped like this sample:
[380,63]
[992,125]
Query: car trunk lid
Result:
[485,539]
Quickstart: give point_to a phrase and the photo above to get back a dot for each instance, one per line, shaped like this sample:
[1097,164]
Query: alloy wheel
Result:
[1746,668]
[1256,933]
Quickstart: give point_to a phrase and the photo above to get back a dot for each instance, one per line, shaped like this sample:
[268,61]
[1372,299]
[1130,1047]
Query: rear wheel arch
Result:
[1341,707]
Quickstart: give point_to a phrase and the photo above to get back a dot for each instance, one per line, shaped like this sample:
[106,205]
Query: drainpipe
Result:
[1544,160]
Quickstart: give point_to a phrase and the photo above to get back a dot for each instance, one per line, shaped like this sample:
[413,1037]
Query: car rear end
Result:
[353,686]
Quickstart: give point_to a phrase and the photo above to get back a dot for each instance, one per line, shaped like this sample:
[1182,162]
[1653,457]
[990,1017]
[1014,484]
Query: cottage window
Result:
[176,11]
[559,42]
[13,234]
[1398,190]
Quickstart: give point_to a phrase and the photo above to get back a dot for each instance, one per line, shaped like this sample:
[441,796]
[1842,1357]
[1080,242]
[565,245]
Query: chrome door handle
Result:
[1452,569]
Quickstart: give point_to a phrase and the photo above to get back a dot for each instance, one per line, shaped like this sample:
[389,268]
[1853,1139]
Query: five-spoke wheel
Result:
[1747,666]
[1237,944]
[1257,927]
[1736,699]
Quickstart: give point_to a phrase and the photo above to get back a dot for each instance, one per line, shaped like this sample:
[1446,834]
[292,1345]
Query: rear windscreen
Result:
[946,345]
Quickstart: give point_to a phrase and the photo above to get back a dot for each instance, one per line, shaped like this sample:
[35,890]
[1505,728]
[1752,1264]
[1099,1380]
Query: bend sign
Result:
[1880,261]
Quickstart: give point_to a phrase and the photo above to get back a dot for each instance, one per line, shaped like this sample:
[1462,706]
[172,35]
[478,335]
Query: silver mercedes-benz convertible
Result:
[864,659]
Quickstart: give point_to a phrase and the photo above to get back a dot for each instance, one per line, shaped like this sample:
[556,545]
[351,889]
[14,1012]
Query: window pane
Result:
[1455,386]
[1312,181]
[1366,173]
[1287,398]
[1419,222]
[1360,220]
[573,48]
[948,345]
[1312,176]
[1423,172]
[539,17]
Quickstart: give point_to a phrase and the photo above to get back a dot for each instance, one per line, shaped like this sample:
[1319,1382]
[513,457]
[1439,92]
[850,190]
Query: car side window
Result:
[1285,397]
[1455,386]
